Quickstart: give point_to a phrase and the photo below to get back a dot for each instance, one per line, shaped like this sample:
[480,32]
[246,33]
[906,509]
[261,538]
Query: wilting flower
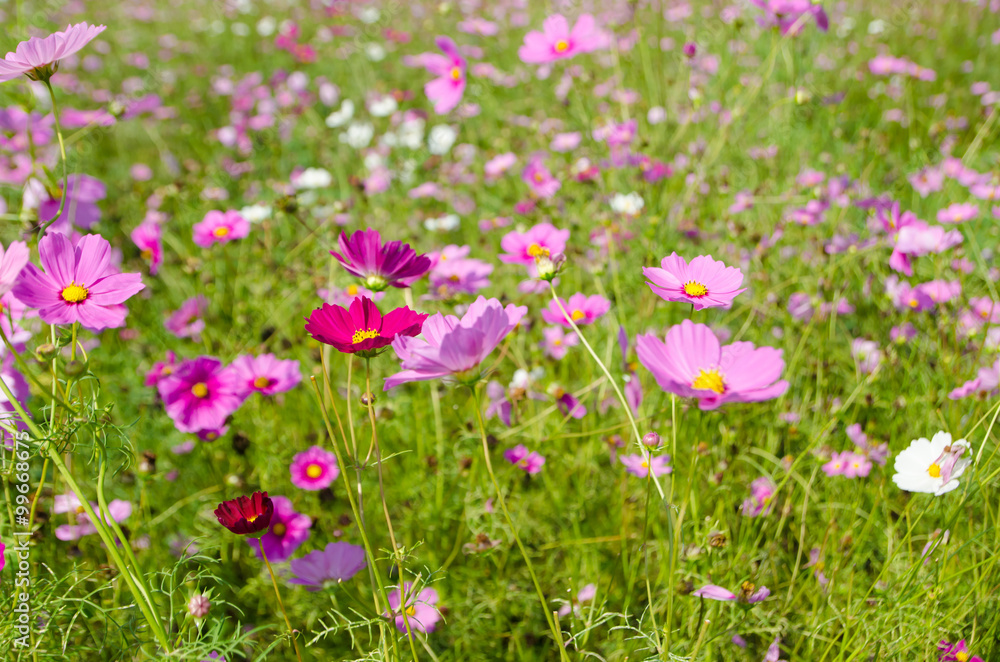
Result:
[749,593]
[420,611]
[639,465]
[337,562]
[932,466]
[759,503]
[692,364]
[38,58]
[393,264]
[266,374]
[704,283]
[447,89]
[557,42]
[956,652]
[245,515]
[530,462]
[314,469]
[288,529]
[580,308]
[452,347]
[362,329]
[220,227]
[200,394]
[77,285]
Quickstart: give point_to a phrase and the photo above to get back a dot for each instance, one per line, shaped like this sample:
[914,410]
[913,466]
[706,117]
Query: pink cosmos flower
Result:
[420,611]
[956,652]
[393,264]
[82,194]
[186,321]
[539,179]
[580,308]
[759,503]
[557,342]
[557,42]
[266,374]
[447,89]
[12,262]
[530,462]
[691,363]
[542,240]
[639,466]
[337,562]
[160,370]
[288,530]
[987,381]
[847,464]
[69,503]
[585,595]
[38,58]
[200,394]
[749,593]
[704,283]
[958,213]
[867,354]
[788,14]
[220,227]
[362,328]
[146,236]
[498,165]
[314,469]
[459,276]
[453,347]
[77,285]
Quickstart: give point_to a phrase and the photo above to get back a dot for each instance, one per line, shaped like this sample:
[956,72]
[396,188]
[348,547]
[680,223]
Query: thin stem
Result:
[281,605]
[513,529]
[62,154]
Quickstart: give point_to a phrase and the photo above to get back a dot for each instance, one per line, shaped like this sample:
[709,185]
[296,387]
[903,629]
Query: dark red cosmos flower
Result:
[362,329]
[244,515]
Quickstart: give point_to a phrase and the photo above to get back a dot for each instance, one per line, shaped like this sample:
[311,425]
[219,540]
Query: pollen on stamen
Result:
[537,251]
[364,334]
[74,293]
[934,471]
[709,380]
[562,46]
[695,289]
[220,232]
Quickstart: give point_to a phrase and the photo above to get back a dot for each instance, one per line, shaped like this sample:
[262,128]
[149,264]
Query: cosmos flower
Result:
[362,329]
[186,321]
[639,466]
[787,14]
[584,596]
[956,652]
[932,466]
[459,276]
[314,469]
[453,347]
[393,264]
[69,503]
[38,58]
[582,309]
[557,342]
[749,593]
[266,374]
[246,515]
[704,283]
[200,394]
[538,178]
[557,42]
[82,194]
[77,285]
[847,464]
[420,611]
[335,563]
[220,227]
[288,529]
[447,89]
[12,262]
[692,364]
[540,241]
[759,503]
[147,238]
[529,462]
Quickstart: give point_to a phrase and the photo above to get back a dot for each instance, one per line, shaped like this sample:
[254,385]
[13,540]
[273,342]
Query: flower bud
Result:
[199,605]
[45,352]
[75,368]
[651,440]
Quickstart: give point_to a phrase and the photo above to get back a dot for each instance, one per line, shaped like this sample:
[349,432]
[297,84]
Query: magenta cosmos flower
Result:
[362,329]
[200,394]
[186,321]
[447,89]
[38,58]
[529,462]
[337,562]
[759,502]
[288,530]
[266,374]
[956,652]
[314,469]
[452,347]
[580,308]
[692,364]
[749,594]
[77,285]
[704,283]
[393,264]
[220,227]
[147,238]
[421,613]
[557,42]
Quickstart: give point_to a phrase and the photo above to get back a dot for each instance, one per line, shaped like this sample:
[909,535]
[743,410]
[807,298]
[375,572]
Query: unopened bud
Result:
[651,440]
[75,368]
[45,352]
[549,266]
[367,398]
[199,605]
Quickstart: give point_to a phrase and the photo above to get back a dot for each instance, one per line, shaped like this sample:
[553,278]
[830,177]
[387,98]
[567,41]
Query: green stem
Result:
[281,605]
[62,153]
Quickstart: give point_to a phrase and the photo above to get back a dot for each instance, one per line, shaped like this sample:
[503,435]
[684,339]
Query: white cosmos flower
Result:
[629,205]
[358,135]
[342,116]
[382,106]
[932,466]
[441,138]
[256,213]
[313,178]
[444,223]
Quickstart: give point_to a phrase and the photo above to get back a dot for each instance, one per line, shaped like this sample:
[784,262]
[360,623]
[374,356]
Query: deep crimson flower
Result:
[244,515]
[362,329]
[393,264]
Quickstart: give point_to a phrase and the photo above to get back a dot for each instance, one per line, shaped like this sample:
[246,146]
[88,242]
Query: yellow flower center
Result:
[577,315]
[536,251]
[252,518]
[411,611]
[279,529]
[709,380]
[934,471]
[539,177]
[363,334]
[914,303]
[200,390]
[456,73]
[146,254]
[747,587]
[352,290]
[314,470]
[962,656]
[645,464]
[557,342]
[74,293]
[695,289]
[561,46]
[220,232]
[984,314]
[261,382]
